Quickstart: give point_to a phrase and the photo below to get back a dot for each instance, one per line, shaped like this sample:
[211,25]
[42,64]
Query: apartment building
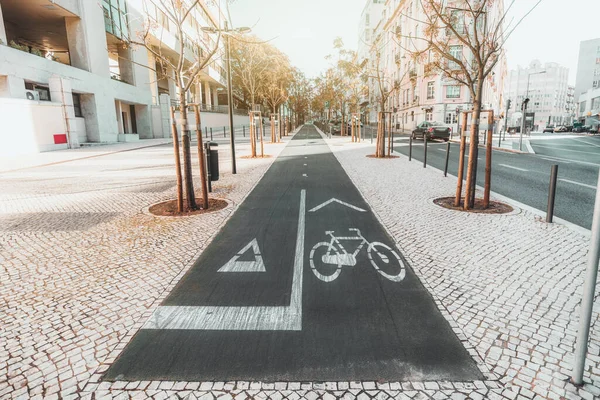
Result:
[588,107]
[422,92]
[368,31]
[551,98]
[70,75]
[588,67]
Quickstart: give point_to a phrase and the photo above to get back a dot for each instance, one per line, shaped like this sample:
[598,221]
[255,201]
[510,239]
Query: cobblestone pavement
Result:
[82,267]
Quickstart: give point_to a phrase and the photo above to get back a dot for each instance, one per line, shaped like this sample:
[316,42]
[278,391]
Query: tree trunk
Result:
[201,159]
[187,159]
[177,161]
[473,151]
[461,161]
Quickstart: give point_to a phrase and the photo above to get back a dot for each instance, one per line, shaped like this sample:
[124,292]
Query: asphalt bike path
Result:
[301,284]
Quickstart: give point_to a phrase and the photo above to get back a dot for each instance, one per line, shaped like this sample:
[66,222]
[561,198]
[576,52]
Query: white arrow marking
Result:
[234,265]
[317,208]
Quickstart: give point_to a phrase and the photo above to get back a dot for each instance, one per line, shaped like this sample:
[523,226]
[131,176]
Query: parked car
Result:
[594,129]
[336,126]
[349,126]
[432,130]
[549,128]
[560,128]
[582,128]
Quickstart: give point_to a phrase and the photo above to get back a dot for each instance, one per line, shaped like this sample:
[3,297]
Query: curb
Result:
[85,157]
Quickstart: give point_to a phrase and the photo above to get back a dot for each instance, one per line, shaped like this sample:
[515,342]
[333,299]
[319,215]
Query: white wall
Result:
[29,126]
[101,122]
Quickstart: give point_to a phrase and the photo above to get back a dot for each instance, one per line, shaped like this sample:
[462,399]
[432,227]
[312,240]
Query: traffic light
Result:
[508,103]
[524,105]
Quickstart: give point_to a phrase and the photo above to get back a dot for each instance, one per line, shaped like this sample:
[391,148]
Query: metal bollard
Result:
[244,130]
[410,148]
[447,158]
[224,133]
[211,138]
[207,156]
[425,156]
[371,130]
[551,194]
[589,290]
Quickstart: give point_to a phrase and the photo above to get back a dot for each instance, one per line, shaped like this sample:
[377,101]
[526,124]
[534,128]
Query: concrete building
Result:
[69,75]
[546,85]
[588,107]
[368,31]
[421,92]
[588,67]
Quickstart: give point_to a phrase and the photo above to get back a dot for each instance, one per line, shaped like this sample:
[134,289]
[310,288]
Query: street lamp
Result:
[227,33]
[524,109]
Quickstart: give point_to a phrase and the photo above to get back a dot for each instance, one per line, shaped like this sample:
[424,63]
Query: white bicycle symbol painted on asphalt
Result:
[328,258]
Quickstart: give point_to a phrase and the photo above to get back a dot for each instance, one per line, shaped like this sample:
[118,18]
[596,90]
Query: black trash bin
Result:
[213,160]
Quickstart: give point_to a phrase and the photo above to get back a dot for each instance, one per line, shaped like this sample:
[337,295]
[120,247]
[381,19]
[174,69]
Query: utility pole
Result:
[230,105]
[505,122]
[524,109]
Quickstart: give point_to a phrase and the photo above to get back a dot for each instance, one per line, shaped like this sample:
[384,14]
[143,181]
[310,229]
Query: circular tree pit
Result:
[494,208]
[169,208]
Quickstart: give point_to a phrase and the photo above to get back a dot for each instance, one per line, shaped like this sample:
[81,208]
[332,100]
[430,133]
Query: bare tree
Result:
[276,83]
[464,40]
[251,62]
[386,87]
[186,62]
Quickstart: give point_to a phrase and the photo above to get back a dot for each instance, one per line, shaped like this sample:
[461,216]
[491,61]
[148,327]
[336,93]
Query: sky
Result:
[305,29]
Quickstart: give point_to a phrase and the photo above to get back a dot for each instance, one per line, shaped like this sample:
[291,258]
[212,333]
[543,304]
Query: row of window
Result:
[452,91]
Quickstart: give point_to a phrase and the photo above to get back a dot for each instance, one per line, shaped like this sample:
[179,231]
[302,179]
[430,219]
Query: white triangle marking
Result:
[234,265]
[336,201]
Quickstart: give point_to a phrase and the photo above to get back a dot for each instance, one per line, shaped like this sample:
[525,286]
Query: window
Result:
[582,106]
[115,18]
[452,92]
[458,22]
[456,51]
[77,105]
[450,118]
[430,90]
[368,20]
[428,116]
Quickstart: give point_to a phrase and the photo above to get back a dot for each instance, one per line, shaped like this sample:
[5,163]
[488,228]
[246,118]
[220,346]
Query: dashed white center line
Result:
[510,166]
[577,183]
[305,165]
[304,175]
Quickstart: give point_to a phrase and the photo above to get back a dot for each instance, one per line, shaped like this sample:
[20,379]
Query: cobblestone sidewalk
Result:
[511,283]
[81,264]
[81,268]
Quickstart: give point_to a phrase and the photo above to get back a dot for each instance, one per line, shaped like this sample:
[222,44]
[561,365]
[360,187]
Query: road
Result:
[269,301]
[525,177]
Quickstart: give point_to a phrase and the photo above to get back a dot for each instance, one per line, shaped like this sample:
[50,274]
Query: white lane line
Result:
[510,166]
[571,160]
[304,175]
[580,139]
[550,159]
[305,165]
[577,183]
[255,318]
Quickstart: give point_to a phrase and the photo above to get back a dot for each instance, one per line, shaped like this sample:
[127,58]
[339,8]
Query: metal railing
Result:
[222,109]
